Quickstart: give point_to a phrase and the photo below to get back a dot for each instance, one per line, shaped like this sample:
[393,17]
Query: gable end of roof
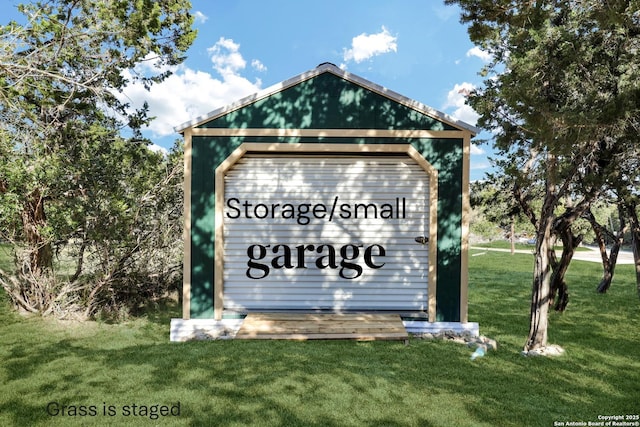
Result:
[333,69]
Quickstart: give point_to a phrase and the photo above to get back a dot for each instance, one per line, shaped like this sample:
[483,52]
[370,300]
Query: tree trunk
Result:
[635,239]
[540,294]
[512,236]
[541,287]
[608,261]
[600,232]
[559,288]
[33,220]
[80,262]
[610,267]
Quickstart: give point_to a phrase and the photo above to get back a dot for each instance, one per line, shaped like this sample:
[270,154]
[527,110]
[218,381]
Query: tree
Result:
[70,181]
[622,189]
[632,210]
[604,235]
[561,97]
[493,199]
[627,188]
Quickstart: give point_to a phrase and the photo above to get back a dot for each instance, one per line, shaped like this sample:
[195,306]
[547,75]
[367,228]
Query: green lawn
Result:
[106,367]
[6,263]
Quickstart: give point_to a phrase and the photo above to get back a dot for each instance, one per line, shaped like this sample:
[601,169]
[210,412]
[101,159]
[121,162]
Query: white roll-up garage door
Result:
[325,232]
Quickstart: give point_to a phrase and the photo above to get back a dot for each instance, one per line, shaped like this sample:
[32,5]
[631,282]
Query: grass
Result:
[337,383]
[6,262]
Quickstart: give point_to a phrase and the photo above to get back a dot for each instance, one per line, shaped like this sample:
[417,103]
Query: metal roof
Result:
[329,68]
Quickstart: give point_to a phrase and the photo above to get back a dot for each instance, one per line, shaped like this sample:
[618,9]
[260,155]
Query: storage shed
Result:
[326,193]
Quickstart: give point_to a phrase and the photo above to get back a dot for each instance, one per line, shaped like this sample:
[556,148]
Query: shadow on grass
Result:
[336,383]
[161,312]
[314,383]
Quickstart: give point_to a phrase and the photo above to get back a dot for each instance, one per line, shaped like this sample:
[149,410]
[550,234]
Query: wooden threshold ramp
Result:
[292,326]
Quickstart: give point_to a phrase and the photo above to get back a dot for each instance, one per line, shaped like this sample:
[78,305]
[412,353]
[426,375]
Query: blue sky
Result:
[417,48]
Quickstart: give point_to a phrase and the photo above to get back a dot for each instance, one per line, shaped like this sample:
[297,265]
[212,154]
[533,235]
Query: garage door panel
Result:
[351,203]
[344,300]
[398,233]
[277,276]
[395,262]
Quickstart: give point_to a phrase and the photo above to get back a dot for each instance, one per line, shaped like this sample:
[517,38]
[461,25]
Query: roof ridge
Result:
[333,69]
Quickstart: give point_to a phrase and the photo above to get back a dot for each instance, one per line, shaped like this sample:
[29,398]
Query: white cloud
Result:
[456,101]
[226,57]
[366,46]
[479,53]
[188,93]
[476,150]
[200,18]
[158,149]
[258,65]
[482,165]
[466,114]
[456,98]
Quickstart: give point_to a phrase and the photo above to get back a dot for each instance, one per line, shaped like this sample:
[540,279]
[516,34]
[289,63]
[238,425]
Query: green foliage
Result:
[483,229]
[493,202]
[494,206]
[118,236]
[562,98]
[6,261]
[338,383]
[70,183]
[564,81]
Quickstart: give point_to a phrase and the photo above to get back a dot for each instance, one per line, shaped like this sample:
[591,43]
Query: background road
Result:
[591,254]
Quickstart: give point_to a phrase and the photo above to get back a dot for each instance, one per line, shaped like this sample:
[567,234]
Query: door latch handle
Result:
[422,239]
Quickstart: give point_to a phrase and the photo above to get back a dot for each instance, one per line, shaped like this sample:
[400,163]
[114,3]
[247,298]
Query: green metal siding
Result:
[327,102]
[444,154]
